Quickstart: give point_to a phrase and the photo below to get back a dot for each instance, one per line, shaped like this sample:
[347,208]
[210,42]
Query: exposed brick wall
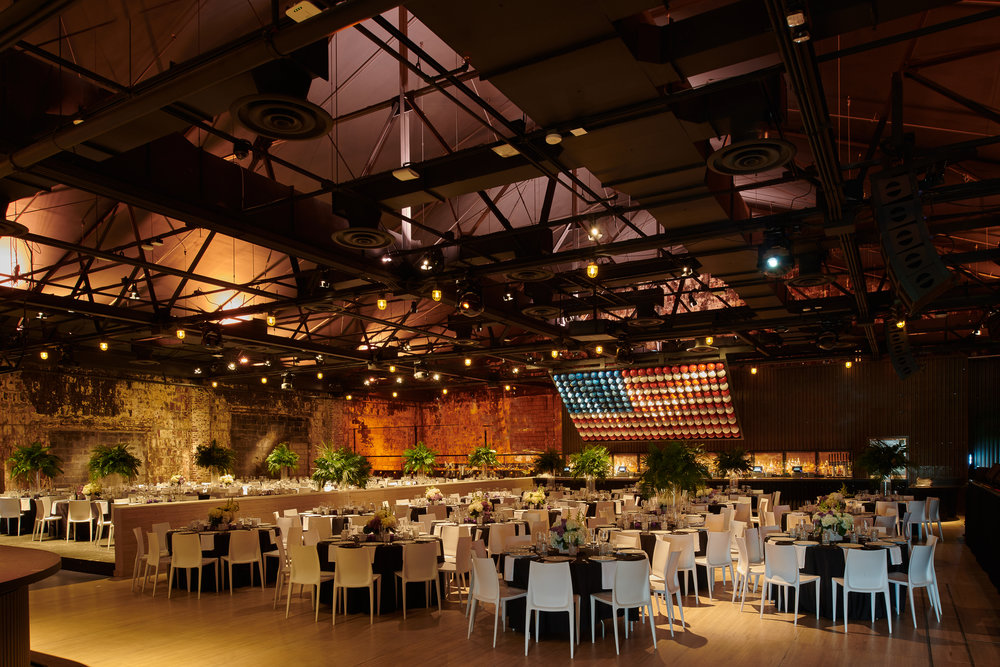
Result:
[163,422]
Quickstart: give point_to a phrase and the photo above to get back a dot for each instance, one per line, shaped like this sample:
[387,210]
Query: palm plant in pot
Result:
[34,460]
[217,459]
[418,460]
[550,463]
[281,460]
[483,458]
[108,460]
[881,460]
[592,463]
[732,463]
[341,466]
[672,469]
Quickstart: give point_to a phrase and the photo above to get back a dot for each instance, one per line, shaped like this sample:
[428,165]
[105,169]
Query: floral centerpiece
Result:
[566,533]
[833,502]
[433,494]
[834,520]
[479,507]
[534,498]
[177,480]
[227,480]
[384,521]
[91,489]
[223,514]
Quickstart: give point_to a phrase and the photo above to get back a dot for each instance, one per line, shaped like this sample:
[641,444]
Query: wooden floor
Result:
[101,622]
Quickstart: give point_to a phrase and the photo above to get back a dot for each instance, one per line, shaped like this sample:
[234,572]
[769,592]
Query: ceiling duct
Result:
[703,345]
[143,357]
[541,306]
[810,272]
[589,331]
[646,317]
[362,217]
[280,108]
[827,340]
[9,227]
[463,334]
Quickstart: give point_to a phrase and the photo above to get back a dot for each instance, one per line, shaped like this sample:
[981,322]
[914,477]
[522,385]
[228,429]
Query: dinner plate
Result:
[557,559]
[630,555]
[602,558]
[521,552]
[806,543]
[849,545]
[685,530]
[879,543]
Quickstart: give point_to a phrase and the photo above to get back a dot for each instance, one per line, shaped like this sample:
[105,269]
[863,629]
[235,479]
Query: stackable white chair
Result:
[882,507]
[141,559]
[449,542]
[186,555]
[550,588]
[499,533]
[244,549]
[716,556]
[745,570]
[420,564]
[932,514]
[103,510]
[627,539]
[354,570]
[715,523]
[44,518]
[161,531]
[426,522]
[921,574]
[283,568]
[762,506]
[486,587]
[666,585]
[439,512]
[683,546]
[322,527]
[10,509]
[457,569]
[310,538]
[915,515]
[284,524]
[780,511]
[80,511]
[864,572]
[538,530]
[304,571]
[631,589]
[781,568]
[742,511]
[150,560]
[887,523]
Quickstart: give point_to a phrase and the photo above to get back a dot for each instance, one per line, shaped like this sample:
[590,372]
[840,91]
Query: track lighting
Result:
[553,138]
[244,359]
[774,257]
[432,261]
[231,365]
[405,173]
[470,303]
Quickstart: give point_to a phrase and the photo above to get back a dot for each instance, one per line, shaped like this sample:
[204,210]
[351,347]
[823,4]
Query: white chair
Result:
[420,564]
[755,550]
[776,499]
[745,570]
[742,512]
[920,574]
[780,511]
[715,523]
[457,570]
[10,509]
[762,506]
[517,541]
[141,558]
[666,585]
[401,511]
[186,555]
[538,531]
[550,588]
[864,572]
[915,514]
[886,523]
[449,542]
[102,512]
[291,512]
[161,531]
[44,517]
[796,518]
[149,560]
[354,570]
[283,568]
[322,526]
[310,538]
[244,549]
[627,539]
[426,522]
[686,568]
[439,512]
[716,556]
[293,536]
[933,515]
[530,516]
[631,589]
[781,568]
[303,569]
[80,511]
[284,524]
[881,507]
[499,532]
[485,587]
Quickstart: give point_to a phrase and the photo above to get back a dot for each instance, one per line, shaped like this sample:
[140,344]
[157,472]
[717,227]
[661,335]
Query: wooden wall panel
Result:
[984,411]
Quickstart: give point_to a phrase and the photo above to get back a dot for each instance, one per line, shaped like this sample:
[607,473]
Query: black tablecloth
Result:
[388,561]
[828,562]
[483,532]
[241,573]
[417,512]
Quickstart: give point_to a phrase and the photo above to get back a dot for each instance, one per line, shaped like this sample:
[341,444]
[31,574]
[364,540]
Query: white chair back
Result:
[185,549]
[485,585]
[866,570]
[420,561]
[717,551]
[79,510]
[354,567]
[631,582]
[304,564]
[243,545]
[781,563]
[550,585]
[683,546]
[715,523]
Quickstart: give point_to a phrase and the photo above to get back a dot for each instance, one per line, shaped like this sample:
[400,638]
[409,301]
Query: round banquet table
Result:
[243,575]
[483,532]
[828,562]
[416,512]
[388,560]
[20,567]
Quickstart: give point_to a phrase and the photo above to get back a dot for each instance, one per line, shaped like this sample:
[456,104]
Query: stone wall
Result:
[163,421]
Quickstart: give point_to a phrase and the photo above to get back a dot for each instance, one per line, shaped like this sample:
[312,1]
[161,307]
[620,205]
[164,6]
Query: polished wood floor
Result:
[101,622]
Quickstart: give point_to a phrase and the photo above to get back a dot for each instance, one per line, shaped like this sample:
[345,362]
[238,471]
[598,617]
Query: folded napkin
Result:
[800,553]
[208,541]
[270,535]
[608,573]
[895,555]
[508,568]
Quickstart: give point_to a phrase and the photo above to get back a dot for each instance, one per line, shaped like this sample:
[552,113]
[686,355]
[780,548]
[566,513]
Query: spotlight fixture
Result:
[231,365]
[470,303]
[592,269]
[197,370]
[508,295]
[801,35]
[687,271]
[795,18]
[753,370]
[367,383]
[271,319]
[147,244]
[286,382]
[244,359]
[103,345]
[180,333]
[319,358]
[436,376]
[392,368]
[382,302]
[506,387]
[578,131]
[703,344]
[43,355]
[399,379]
[444,391]
[900,323]
[436,294]
[405,173]
[432,261]
[387,258]
[515,370]
[468,361]
[595,233]
[774,257]
[348,397]
[553,138]
[157,242]
[215,384]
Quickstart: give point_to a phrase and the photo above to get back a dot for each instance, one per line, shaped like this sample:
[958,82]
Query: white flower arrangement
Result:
[534,498]
[227,480]
[567,532]
[177,480]
[433,494]
[841,522]
[91,488]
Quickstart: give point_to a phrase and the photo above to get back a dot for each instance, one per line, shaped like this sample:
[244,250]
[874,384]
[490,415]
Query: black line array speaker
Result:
[916,270]
[902,358]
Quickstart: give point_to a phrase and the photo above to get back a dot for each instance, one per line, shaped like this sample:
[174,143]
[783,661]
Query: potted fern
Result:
[483,457]
[282,460]
[108,460]
[341,466]
[34,460]
[549,463]
[418,460]
[592,464]
[672,469]
[217,459]
[881,460]
[733,463]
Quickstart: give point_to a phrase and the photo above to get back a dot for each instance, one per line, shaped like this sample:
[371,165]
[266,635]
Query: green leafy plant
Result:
[281,457]
[341,466]
[672,469]
[215,458]
[418,460]
[35,459]
[882,460]
[482,457]
[592,463]
[733,461]
[551,461]
[113,460]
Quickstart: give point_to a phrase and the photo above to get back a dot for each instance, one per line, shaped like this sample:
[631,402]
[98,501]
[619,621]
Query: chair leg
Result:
[437,585]
[288,599]
[845,609]
[496,618]
[888,615]
[404,599]
[913,612]
[652,627]
[795,620]
[593,616]
[527,627]
[472,616]
[833,598]
[371,603]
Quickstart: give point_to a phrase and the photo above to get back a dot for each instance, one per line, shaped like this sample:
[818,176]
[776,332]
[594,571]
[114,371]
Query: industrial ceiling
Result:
[363,197]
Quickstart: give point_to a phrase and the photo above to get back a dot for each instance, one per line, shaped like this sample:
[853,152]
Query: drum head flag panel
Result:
[661,403]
